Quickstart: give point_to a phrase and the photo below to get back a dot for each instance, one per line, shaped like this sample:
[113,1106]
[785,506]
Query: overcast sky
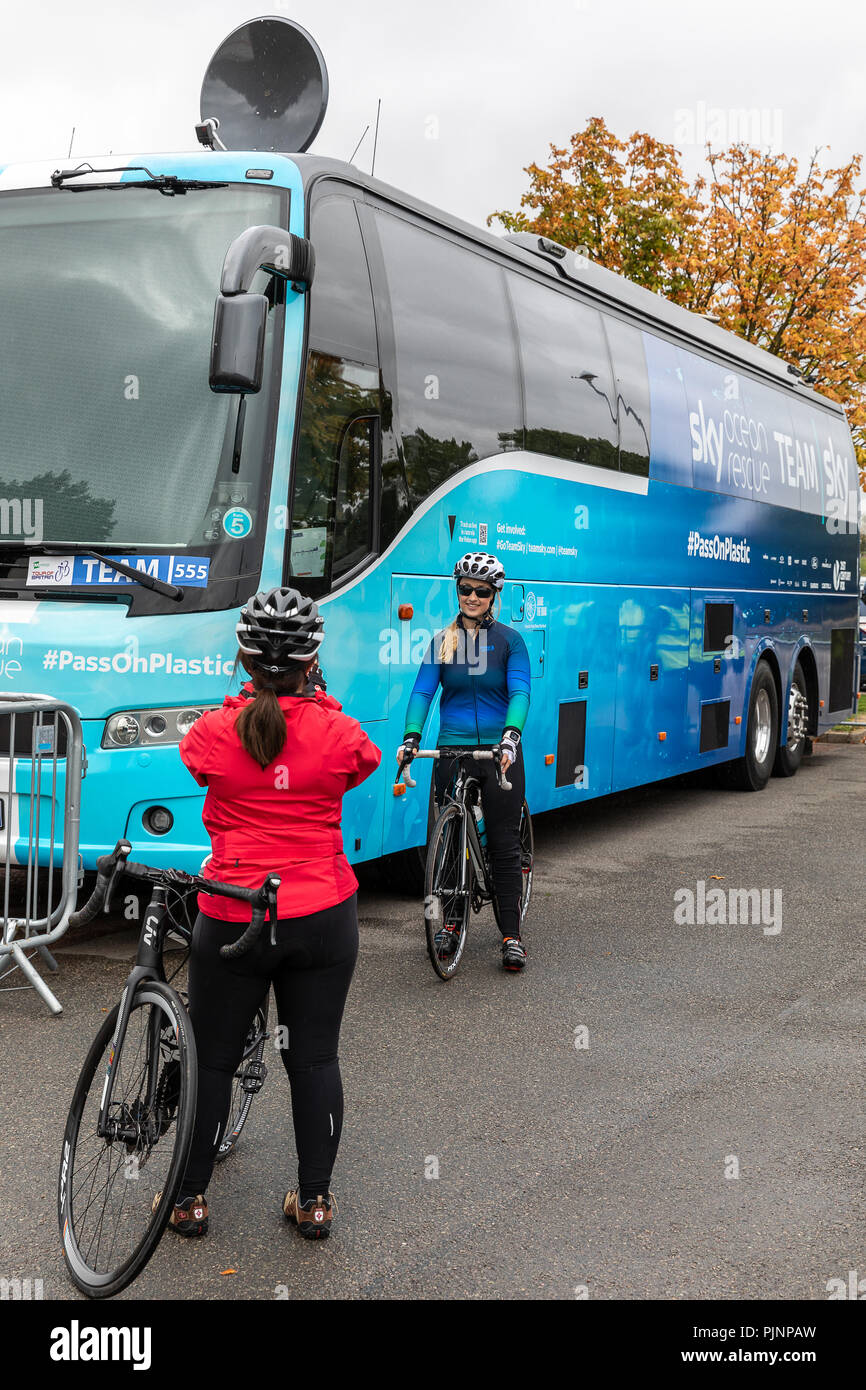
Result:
[502,78]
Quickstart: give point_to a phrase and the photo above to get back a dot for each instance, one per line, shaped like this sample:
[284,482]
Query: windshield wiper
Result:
[168,184]
[147,581]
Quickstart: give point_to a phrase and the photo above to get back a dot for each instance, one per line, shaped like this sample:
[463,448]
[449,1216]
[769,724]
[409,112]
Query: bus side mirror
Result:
[238,343]
[237,346]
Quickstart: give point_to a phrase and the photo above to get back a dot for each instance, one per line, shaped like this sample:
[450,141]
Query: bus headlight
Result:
[185,720]
[142,727]
[122,729]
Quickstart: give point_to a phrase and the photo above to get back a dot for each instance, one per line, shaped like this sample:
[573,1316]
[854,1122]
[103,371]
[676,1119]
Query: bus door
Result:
[652,690]
[420,604]
[335,543]
[571,717]
[716,664]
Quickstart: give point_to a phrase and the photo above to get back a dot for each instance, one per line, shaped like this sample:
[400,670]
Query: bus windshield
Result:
[110,430]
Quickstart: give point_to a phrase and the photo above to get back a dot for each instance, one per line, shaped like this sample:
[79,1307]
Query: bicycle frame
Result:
[470,842]
[456,795]
[148,966]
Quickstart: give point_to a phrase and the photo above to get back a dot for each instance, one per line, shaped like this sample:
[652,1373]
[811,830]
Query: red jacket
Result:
[284,818]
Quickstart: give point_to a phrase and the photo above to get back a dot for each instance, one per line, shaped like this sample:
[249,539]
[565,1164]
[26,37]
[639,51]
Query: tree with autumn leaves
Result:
[771,251]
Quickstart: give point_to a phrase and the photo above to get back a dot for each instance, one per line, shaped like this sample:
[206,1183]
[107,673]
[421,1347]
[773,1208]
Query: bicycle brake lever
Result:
[123,849]
[409,781]
[503,780]
[273,885]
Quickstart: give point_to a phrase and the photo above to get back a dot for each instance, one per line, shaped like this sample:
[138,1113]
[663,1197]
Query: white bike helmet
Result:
[476,564]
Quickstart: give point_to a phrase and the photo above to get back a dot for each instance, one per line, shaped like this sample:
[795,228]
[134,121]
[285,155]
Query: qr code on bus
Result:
[482,533]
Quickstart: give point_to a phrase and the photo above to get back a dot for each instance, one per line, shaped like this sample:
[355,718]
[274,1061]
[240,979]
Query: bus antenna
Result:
[358,146]
[375,138]
[71,138]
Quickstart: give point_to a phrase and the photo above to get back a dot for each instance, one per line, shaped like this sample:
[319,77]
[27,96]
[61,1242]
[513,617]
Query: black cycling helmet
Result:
[279,628]
[477,564]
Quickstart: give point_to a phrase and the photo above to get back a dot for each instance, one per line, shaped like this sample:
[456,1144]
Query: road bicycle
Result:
[130,1124]
[457,877]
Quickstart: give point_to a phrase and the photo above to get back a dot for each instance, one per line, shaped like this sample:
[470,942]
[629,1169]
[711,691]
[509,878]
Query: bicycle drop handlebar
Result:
[111,867]
[479,754]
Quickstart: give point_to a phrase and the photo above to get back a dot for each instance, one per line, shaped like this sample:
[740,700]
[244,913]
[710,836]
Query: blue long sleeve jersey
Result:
[485,688]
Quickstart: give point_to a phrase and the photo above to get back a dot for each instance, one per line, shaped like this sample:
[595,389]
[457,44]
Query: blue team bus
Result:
[676,510]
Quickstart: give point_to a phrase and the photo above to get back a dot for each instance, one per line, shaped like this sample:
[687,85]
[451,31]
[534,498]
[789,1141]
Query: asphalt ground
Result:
[651,1111]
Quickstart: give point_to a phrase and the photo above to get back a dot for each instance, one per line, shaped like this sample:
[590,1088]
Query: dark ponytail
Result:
[261,725]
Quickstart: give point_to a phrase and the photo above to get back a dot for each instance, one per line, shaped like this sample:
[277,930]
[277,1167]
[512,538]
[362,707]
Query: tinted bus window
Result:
[332,522]
[570,395]
[458,397]
[632,395]
[341,303]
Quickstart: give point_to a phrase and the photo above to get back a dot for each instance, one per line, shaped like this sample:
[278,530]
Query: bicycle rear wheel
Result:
[107,1185]
[248,1081]
[527,852]
[446,905]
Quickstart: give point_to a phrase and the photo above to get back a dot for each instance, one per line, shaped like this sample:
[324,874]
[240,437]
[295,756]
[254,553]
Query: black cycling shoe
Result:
[445,941]
[513,953]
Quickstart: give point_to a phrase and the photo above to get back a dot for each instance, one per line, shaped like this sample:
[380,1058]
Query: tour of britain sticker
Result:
[237,523]
[56,571]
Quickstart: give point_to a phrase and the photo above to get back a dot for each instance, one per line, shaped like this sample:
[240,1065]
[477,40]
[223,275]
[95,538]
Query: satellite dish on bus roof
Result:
[267,86]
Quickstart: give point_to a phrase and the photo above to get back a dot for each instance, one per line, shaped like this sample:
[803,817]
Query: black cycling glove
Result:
[316,678]
[409,747]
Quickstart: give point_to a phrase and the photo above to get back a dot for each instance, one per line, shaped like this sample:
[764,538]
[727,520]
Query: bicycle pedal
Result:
[253,1078]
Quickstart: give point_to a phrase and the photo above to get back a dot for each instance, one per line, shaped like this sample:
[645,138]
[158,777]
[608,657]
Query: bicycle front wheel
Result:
[248,1081]
[446,904]
[107,1185]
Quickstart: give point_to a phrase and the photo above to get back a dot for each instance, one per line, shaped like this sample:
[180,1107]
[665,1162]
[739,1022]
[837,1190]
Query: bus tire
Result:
[752,772]
[790,755]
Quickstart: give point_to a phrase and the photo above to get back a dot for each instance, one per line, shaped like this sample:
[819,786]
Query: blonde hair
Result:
[450,637]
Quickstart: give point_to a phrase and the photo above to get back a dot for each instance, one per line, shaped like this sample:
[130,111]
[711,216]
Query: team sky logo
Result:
[735,446]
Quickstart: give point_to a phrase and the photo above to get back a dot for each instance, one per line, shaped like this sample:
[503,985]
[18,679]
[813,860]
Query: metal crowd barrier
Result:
[42,759]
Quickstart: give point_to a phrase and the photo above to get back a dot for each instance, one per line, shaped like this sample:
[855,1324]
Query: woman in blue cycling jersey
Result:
[483,668]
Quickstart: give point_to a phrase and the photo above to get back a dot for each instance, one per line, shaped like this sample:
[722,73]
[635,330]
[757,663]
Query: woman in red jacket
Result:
[276,761]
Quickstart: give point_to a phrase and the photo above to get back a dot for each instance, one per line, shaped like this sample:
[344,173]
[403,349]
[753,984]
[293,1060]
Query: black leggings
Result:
[502,824]
[311,969]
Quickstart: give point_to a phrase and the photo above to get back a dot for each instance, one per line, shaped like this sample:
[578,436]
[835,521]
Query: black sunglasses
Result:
[467,589]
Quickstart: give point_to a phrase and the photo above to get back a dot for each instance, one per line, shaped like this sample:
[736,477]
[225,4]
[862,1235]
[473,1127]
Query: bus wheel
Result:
[790,755]
[752,772]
